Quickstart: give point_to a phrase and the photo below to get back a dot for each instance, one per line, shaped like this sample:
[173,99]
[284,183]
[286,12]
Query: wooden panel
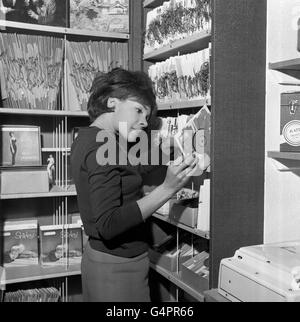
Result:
[135,42]
[238,127]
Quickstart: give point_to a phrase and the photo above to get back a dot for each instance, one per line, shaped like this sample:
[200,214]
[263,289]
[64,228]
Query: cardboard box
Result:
[16,180]
[61,245]
[290,122]
[20,243]
[184,213]
[194,272]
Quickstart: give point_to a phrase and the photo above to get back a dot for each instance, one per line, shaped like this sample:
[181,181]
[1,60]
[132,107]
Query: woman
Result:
[113,209]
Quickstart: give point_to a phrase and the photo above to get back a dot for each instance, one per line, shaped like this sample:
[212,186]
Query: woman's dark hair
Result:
[122,84]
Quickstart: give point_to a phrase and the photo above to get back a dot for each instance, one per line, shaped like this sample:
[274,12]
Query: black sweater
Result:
[107,198]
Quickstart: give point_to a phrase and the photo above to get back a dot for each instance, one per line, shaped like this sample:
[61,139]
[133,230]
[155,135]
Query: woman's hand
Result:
[179,172]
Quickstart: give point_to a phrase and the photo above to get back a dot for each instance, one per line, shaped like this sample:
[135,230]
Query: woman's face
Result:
[130,117]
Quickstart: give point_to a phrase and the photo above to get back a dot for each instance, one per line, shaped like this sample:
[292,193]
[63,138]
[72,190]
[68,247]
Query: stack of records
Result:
[50,294]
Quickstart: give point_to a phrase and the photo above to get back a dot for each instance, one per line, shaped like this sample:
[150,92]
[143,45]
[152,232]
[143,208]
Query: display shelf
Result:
[98,34]
[284,155]
[187,45]
[292,64]
[54,192]
[56,149]
[183,104]
[14,275]
[61,30]
[153,3]
[175,279]
[43,112]
[194,231]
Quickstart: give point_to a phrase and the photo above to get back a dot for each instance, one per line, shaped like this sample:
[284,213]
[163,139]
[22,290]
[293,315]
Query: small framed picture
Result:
[20,145]
[105,16]
[41,12]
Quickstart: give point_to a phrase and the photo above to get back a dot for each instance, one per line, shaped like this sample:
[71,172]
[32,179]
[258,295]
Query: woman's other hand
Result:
[179,172]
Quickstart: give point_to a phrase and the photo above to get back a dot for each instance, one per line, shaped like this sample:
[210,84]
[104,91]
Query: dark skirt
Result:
[109,278]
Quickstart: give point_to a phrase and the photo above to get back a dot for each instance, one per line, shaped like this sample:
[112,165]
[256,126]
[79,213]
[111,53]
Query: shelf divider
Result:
[292,64]
[175,279]
[284,155]
[194,231]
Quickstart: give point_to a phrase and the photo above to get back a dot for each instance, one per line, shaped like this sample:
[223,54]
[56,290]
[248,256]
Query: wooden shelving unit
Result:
[56,128]
[176,279]
[187,45]
[284,155]
[233,221]
[194,231]
[12,275]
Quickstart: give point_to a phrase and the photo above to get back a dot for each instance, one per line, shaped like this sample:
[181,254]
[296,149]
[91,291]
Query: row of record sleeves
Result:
[50,294]
[25,243]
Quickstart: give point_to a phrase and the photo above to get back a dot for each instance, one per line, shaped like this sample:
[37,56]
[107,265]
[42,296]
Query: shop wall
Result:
[282,181]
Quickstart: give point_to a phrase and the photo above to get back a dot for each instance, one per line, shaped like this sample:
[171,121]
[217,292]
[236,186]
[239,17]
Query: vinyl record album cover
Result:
[61,245]
[100,15]
[20,145]
[42,12]
[20,243]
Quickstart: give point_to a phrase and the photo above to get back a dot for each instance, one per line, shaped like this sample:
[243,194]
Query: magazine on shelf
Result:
[20,243]
[41,12]
[99,15]
[60,244]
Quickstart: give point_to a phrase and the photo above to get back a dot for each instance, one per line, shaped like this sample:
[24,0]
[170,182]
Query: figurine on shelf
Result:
[51,170]
[13,147]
